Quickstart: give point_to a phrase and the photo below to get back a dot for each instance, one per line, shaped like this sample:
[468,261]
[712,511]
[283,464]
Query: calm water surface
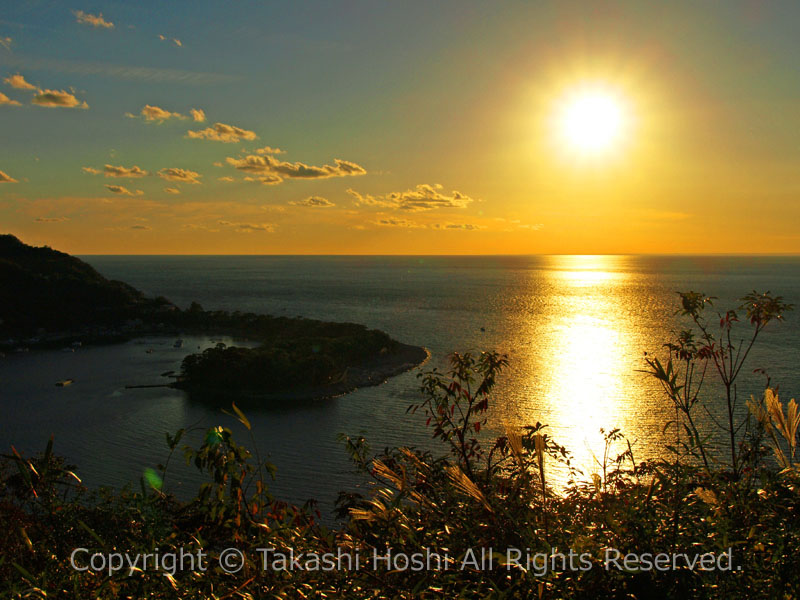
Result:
[575,329]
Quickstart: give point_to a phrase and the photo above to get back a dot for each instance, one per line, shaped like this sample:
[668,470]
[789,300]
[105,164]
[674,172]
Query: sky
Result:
[399,128]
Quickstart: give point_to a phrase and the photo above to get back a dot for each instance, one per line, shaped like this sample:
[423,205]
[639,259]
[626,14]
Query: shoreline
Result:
[370,373]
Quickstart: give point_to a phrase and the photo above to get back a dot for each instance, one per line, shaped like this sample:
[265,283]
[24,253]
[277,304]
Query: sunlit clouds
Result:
[175,41]
[198,115]
[123,191]
[155,113]
[6,178]
[220,132]
[92,20]
[179,175]
[57,98]
[314,202]
[269,150]
[249,227]
[133,172]
[270,170]
[5,100]
[18,82]
[423,197]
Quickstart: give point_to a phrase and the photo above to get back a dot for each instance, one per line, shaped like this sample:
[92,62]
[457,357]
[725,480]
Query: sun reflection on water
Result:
[582,358]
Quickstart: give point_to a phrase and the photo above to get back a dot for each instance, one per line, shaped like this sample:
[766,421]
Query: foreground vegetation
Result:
[478,494]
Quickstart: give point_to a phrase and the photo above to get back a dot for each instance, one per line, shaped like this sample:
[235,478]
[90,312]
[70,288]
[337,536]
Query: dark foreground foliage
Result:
[445,508]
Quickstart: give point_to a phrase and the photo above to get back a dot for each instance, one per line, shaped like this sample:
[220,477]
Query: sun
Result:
[592,121]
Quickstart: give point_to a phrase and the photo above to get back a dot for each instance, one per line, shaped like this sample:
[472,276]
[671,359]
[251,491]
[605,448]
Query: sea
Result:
[575,330]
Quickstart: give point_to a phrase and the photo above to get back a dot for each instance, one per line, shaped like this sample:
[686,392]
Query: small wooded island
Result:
[50,299]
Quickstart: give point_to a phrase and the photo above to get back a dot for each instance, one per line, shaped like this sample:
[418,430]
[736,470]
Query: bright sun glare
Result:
[592,121]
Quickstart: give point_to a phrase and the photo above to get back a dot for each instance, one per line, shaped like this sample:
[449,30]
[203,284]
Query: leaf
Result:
[153,479]
[241,416]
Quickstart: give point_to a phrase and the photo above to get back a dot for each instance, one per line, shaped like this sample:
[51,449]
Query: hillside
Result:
[49,298]
[47,291]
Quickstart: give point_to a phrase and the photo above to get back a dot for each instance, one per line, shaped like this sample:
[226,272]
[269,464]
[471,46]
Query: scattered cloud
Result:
[198,115]
[5,42]
[118,189]
[427,197]
[369,200]
[313,201]
[226,179]
[399,223]
[531,226]
[90,170]
[51,219]
[18,82]
[270,170]
[172,190]
[57,98]
[459,226]
[92,20]
[249,227]
[423,197]
[5,178]
[266,179]
[175,41]
[180,175]
[116,71]
[220,132]
[218,164]
[112,171]
[270,150]
[5,100]
[143,227]
[155,113]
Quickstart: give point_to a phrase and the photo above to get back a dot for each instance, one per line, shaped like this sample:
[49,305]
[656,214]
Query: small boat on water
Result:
[65,382]
[177,344]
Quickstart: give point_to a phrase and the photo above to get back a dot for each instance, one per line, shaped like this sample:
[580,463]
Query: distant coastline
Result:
[54,300]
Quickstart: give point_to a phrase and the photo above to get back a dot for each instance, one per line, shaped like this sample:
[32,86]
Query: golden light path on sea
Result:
[578,347]
[590,340]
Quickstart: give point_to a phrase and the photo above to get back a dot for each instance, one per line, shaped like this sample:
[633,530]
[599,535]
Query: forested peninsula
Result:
[50,299]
